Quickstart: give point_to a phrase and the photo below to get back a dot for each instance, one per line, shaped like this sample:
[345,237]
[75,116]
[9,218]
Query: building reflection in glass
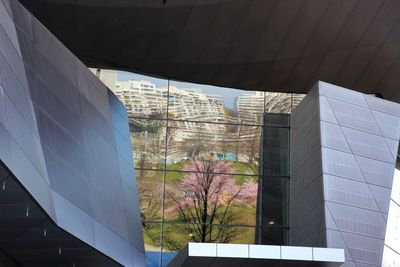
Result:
[198,153]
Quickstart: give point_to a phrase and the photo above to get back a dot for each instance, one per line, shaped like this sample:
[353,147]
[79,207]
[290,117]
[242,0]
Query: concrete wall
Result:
[66,138]
[343,155]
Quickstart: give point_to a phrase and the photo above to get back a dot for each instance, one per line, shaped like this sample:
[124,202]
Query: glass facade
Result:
[274,185]
[198,153]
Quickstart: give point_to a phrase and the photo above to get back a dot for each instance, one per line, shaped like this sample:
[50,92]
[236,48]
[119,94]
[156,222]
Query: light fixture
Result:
[271,222]
[27,211]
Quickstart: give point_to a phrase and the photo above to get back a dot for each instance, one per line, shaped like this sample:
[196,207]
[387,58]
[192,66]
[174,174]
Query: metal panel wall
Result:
[343,153]
[66,138]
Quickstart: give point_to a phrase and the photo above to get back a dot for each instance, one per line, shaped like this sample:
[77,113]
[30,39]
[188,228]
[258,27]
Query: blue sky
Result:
[228,94]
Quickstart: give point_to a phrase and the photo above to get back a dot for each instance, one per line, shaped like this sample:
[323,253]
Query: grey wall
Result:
[343,153]
[66,138]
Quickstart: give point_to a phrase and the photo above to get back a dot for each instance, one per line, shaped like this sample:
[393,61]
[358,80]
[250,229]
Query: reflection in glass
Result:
[206,194]
[197,153]
[281,102]
[148,141]
[195,102]
[238,145]
[143,96]
[274,185]
[151,195]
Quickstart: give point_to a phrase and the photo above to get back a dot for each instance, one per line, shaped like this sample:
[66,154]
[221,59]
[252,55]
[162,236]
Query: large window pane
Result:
[151,194]
[238,145]
[276,151]
[196,102]
[210,197]
[275,201]
[148,141]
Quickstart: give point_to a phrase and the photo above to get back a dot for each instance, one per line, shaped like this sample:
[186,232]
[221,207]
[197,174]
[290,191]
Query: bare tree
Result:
[203,201]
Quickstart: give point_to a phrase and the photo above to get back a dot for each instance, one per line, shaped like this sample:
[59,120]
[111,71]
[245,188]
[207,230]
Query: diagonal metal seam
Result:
[284,39]
[24,232]
[390,69]
[5,178]
[11,258]
[267,22]
[357,44]
[124,33]
[214,20]
[376,52]
[98,37]
[380,130]
[53,222]
[178,42]
[295,66]
[153,37]
[358,165]
[340,233]
[230,41]
[332,44]
[257,41]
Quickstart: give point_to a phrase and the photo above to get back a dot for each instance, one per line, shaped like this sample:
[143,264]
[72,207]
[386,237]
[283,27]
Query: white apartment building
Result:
[142,98]
[252,107]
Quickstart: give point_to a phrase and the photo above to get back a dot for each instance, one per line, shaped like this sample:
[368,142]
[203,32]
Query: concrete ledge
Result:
[206,254]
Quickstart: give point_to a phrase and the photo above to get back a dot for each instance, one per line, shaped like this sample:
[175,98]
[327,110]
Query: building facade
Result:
[68,190]
[224,167]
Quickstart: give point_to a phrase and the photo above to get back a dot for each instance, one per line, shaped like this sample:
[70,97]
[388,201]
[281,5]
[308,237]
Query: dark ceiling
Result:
[273,45]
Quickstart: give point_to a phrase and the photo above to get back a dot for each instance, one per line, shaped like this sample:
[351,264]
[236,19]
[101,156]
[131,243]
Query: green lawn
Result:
[176,236]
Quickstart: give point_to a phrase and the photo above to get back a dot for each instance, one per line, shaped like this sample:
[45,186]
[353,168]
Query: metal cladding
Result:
[274,45]
[65,137]
[343,154]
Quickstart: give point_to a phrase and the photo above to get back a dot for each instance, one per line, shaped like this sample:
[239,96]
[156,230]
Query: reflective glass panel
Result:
[281,102]
[143,96]
[148,141]
[237,145]
[210,197]
[196,102]
[151,194]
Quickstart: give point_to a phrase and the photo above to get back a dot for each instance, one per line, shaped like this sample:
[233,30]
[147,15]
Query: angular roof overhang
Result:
[273,45]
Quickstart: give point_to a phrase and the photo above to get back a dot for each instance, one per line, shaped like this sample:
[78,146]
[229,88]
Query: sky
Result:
[228,94]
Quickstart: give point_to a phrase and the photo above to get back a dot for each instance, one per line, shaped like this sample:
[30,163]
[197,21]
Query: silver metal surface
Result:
[65,137]
[350,145]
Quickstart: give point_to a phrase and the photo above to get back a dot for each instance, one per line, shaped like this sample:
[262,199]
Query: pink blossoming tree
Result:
[205,197]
